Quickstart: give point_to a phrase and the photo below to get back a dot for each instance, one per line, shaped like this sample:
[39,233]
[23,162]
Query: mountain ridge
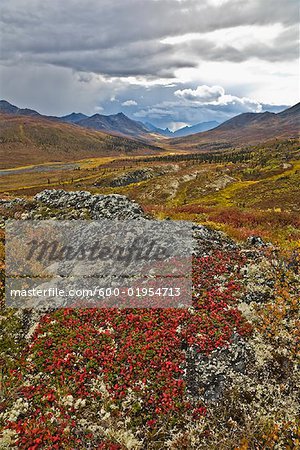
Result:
[74,117]
[35,139]
[8,108]
[117,123]
[246,128]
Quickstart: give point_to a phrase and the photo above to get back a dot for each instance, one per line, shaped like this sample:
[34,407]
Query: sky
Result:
[169,62]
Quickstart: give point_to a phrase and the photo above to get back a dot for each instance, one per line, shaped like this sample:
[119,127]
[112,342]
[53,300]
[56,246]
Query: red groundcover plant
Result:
[137,354]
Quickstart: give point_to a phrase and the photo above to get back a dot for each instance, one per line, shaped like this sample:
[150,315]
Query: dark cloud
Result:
[63,55]
[284,47]
[53,90]
[152,60]
[122,37]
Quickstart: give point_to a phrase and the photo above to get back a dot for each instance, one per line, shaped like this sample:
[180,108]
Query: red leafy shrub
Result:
[240,218]
[136,352]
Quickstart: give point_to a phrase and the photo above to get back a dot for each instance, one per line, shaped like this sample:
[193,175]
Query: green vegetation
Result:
[113,380]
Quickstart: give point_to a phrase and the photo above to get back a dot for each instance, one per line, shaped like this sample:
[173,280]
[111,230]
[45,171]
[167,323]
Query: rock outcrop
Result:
[207,376]
[60,204]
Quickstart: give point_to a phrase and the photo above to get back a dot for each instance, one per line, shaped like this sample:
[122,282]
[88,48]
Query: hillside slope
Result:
[247,128]
[117,124]
[28,140]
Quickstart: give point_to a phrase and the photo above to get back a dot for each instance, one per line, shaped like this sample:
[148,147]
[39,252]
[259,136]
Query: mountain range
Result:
[246,128]
[113,124]
[27,137]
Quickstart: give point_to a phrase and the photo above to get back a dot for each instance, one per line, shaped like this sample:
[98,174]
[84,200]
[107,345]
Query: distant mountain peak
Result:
[116,123]
[8,108]
[185,131]
[74,117]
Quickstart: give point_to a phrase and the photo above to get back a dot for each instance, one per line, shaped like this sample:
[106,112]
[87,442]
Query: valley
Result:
[193,377]
[241,192]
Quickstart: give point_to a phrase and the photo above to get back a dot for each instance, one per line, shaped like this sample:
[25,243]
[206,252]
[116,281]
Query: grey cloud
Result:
[53,90]
[150,59]
[122,37]
[64,55]
[284,47]
[56,90]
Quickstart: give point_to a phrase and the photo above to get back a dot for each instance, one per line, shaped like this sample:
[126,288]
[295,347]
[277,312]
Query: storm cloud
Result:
[123,37]
[58,56]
